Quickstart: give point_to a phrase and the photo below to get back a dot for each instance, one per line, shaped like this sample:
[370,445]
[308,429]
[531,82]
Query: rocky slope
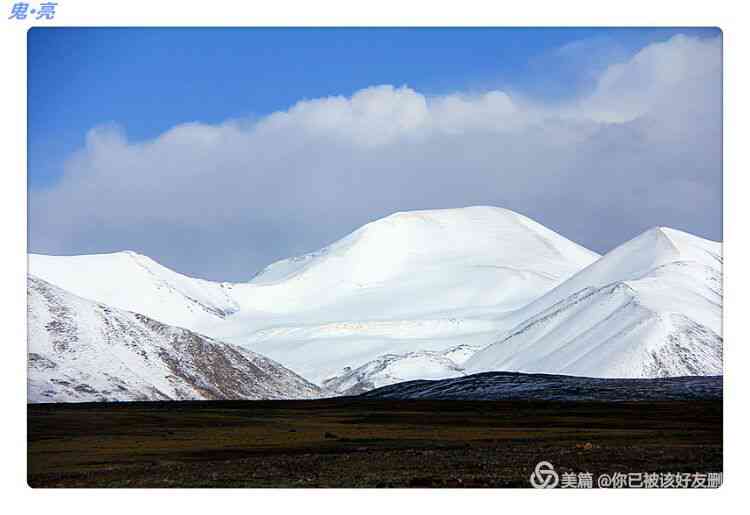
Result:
[80,350]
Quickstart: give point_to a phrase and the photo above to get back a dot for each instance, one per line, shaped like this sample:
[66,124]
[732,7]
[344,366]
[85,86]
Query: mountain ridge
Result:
[650,307]
[80,351]
[399,297]
[392,286]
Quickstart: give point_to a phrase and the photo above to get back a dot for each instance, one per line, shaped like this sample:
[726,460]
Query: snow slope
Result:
[477,256]
[130,281]
[413,281]
[80,350]
[649,308]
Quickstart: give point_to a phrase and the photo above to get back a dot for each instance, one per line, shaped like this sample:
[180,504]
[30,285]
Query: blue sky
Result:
[219,151]
[148,80]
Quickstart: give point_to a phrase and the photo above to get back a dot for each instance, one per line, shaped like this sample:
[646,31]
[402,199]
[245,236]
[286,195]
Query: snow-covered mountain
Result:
[130,281]
[415,281]
[454,258]
[416,295]
[649,308]
[80,350]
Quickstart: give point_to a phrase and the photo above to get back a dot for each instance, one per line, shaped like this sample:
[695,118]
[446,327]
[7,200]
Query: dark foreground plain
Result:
[354,442]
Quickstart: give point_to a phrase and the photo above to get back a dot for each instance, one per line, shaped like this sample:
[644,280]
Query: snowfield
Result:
[133,282]
[436,294]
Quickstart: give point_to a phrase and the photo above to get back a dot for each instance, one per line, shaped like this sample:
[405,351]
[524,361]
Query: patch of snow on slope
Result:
[396,368]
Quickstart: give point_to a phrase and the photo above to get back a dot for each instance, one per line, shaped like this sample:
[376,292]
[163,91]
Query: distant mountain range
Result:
[416,295]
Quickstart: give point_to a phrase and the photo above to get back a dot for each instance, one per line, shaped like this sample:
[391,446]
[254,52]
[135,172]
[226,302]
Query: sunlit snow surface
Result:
[416,294]
[649,308]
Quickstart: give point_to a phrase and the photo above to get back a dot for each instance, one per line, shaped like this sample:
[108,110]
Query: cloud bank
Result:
[222,201]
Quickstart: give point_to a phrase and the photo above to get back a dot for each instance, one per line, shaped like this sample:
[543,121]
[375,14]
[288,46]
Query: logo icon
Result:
[544,476]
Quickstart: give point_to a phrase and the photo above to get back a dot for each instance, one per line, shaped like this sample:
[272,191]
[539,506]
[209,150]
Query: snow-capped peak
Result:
[470,236]
[132,281]
[650,307]
[634,259]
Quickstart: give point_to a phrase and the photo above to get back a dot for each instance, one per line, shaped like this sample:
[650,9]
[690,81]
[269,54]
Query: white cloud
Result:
[223,200]
[654,77]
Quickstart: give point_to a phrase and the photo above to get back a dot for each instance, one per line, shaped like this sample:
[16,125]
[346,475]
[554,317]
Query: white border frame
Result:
[381,13]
